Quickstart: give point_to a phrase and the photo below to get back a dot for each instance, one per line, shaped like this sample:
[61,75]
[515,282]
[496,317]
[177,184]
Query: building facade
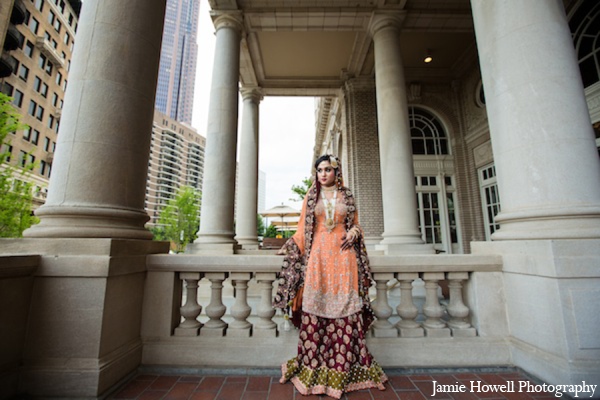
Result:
[38,59]
[176,159]
[179,53]
[89,298]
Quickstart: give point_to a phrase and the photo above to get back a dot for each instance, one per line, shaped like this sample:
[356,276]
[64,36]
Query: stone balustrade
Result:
[406,299]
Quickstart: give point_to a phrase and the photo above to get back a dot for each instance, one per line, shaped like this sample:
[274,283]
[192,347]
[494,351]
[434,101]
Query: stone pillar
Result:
[218,191]
[548,173]
[98,181]
[247,195]
[544,151]
[401,232]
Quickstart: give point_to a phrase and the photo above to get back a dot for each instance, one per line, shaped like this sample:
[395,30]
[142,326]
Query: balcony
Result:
[49,51]
[192,316]
[14,38]
[8,65]
[19,13]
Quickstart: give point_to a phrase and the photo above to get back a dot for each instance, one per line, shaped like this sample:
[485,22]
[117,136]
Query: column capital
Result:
[253,93]
[359,84]
[227,19]
[385,19]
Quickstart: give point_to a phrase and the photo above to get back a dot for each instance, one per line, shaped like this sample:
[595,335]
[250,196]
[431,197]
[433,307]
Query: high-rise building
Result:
[34,68]
[176,159]
[176,77]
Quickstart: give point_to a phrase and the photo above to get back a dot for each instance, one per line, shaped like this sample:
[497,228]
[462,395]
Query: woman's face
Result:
[325,174]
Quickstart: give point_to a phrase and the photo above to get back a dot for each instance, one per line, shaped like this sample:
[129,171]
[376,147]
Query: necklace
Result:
[329,211]
[328,189]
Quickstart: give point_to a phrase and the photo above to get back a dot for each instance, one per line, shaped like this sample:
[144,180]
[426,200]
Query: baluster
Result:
[215,310]
[456,308]
[240,310]
[434,326]
[407,310]
[382,327]
[191,309]
[265,327]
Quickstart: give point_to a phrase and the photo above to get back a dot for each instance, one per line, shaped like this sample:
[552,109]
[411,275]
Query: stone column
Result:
[401,231]
[543,143]
[218,191]
[247,195]
[98,179]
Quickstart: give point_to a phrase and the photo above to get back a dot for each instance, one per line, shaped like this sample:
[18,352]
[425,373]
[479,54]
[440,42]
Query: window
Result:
[49,67]
[18,98]
[46,143]
[37,84]
[427,133]
[585,28]
[57,25]
[67,38]
[51,17]
[35,137]
[23,72]
[42,61]
[44,90]
[34,25]
[43,167]
[490,199]
[22,158]
[54,43]
[437,212]
[50,122]
[71,19]
[32,108]
[54,99]
[58,78]
[39,4]
[40,113]
[27,133]
[7,149]
[28,49]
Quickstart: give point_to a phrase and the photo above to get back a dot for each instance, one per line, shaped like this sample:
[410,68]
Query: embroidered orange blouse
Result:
[331,275]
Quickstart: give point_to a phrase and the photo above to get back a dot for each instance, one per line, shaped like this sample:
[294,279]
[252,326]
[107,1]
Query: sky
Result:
[286,125]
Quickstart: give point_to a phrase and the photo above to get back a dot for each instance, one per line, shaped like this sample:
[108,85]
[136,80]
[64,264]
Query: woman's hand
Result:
[348,239]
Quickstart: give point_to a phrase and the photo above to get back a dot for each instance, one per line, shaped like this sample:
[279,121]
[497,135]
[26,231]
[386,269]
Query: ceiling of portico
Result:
[309,47]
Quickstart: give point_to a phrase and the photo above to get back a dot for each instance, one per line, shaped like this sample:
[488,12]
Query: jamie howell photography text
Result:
[579,390]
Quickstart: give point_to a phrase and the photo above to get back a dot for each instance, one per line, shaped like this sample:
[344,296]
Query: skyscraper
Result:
[176,77]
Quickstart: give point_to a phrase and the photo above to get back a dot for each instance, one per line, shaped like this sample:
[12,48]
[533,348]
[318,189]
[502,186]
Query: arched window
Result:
[585,28]
[427,133]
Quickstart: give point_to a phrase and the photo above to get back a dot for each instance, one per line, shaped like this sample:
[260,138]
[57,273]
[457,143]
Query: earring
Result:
[339,181]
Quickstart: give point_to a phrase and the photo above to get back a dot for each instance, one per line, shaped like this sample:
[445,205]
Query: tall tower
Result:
[176,77]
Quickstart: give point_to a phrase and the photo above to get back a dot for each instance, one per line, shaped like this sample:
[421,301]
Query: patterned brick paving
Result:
[401,386]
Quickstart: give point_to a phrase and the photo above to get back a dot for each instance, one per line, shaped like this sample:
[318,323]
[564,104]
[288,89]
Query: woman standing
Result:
[325,280]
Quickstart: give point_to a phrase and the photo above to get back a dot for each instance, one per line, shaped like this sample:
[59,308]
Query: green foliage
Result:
[16,196]
[180,219]
[260,225]
[271,232]
[302,189]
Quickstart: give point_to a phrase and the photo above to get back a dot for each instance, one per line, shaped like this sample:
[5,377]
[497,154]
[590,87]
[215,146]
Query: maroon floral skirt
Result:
[332,358]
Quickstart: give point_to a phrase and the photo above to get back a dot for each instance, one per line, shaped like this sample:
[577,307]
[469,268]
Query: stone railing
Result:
[180,287]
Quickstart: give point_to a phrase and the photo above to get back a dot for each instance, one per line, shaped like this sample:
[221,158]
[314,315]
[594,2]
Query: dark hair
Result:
[324,157]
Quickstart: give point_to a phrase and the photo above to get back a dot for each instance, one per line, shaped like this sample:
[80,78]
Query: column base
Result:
[247,242]
[394,249]
[89,222]
[549,224]
[211,249]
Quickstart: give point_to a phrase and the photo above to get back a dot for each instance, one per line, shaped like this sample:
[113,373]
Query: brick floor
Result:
[400,386]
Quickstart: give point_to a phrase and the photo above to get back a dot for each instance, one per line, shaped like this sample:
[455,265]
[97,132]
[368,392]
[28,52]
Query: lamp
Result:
[428,58]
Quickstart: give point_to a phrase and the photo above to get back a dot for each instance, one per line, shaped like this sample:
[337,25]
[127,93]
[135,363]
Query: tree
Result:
[16,196]
[301,190]
[271,231]
[260,225]
[180,219]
